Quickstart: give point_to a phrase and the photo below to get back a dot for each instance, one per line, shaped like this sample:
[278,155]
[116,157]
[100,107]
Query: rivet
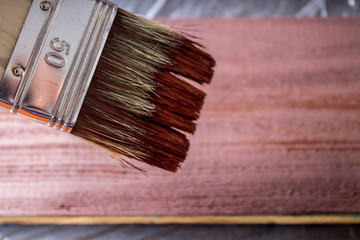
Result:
[45,5]
[17,71]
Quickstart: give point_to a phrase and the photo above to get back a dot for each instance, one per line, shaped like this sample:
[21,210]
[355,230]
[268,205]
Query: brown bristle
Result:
[137,106]
[189,55]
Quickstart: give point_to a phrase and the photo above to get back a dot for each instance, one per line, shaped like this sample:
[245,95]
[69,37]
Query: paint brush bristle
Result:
[138,104]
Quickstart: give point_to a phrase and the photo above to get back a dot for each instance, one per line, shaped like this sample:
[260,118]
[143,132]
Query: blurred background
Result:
[240,8]
[196,9]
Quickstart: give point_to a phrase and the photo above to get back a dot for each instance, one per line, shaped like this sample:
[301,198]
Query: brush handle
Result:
[12,17]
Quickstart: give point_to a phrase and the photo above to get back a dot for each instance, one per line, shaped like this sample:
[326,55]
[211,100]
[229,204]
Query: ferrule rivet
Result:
[45,5]
[17,71]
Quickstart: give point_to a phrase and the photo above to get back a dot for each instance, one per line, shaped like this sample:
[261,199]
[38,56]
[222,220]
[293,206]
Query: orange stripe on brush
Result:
[32,116]
[6,106]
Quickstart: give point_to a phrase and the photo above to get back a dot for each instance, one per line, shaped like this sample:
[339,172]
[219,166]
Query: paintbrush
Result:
[105,75]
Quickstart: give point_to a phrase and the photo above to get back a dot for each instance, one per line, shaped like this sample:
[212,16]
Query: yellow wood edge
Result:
[80,220]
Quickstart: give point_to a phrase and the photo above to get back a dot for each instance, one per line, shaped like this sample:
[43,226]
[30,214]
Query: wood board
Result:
[279,135]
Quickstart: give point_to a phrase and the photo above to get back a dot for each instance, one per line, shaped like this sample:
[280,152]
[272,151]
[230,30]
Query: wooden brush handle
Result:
[12,17]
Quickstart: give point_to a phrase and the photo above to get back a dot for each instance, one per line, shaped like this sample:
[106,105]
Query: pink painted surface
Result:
[279,134]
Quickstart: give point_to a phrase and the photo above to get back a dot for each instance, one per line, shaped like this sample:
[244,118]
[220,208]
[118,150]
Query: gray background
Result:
[195,9]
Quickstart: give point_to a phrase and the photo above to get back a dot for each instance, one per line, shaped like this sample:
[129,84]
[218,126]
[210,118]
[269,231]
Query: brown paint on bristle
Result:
[137,104]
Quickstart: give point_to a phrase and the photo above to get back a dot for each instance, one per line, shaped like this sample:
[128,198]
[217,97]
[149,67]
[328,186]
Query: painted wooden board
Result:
[279,135]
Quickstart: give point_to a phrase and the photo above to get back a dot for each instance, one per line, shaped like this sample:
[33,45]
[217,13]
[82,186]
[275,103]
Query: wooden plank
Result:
[90,220]
[279,135]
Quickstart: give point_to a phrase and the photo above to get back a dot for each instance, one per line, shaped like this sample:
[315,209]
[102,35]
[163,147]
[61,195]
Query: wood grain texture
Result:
[279,135]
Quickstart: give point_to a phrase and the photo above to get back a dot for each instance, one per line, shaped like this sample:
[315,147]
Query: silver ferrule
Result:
[54,59]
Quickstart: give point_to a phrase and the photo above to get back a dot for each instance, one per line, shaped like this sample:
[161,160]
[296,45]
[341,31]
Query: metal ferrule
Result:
[54,59]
